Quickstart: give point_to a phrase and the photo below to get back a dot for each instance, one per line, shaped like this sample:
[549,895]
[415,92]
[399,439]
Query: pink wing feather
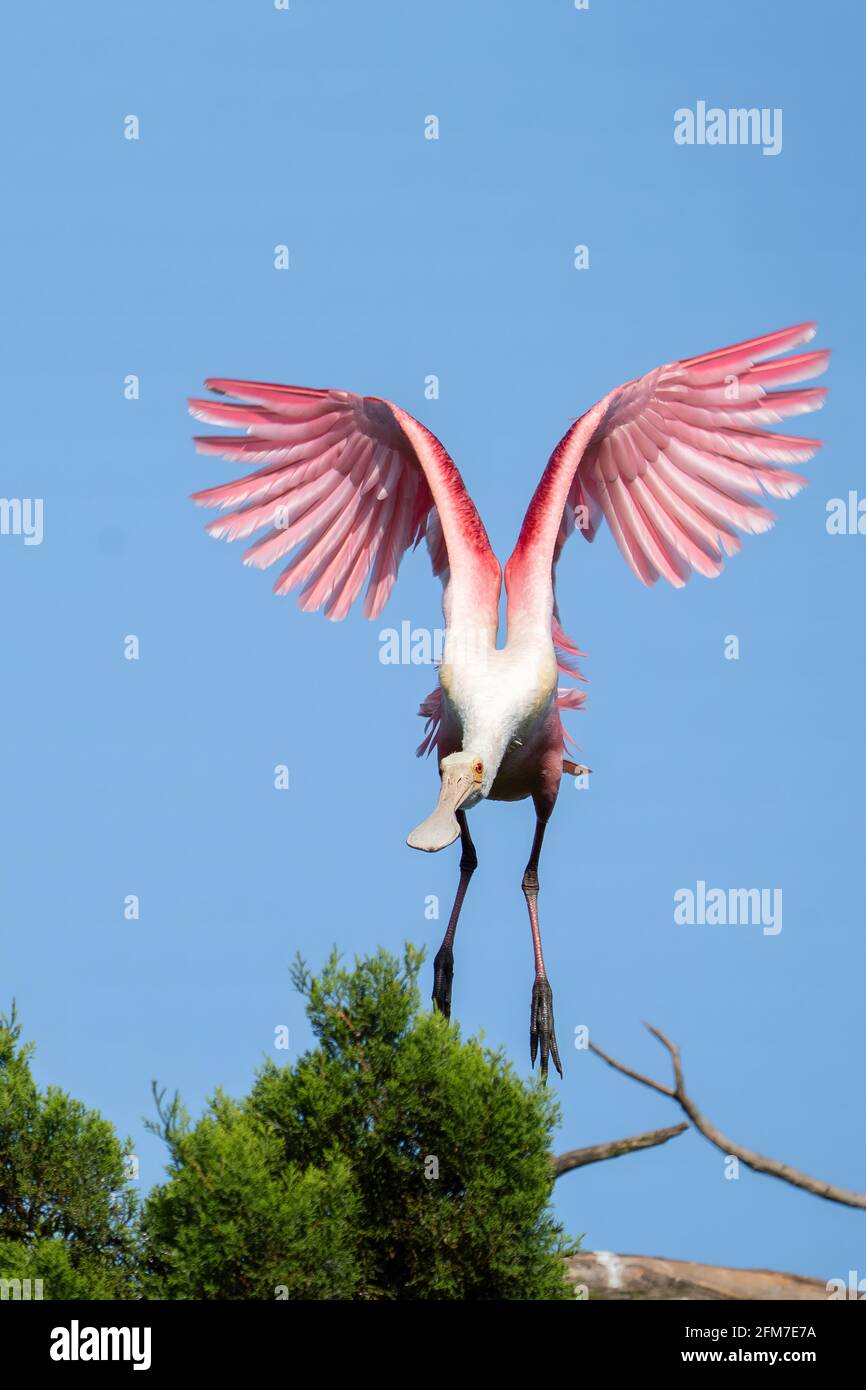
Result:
[675,462]
[355,481]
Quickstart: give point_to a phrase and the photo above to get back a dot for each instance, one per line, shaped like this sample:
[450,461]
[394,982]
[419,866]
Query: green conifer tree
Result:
[391,1161]
[67,1213]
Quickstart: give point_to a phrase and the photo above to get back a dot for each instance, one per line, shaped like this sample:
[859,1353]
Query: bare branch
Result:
[597,1153]
[635,1075]
[758,1162]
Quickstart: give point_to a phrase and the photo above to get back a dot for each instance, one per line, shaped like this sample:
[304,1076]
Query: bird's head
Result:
[464,782]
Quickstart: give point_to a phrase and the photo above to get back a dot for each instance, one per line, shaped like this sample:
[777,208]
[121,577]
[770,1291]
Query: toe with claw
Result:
[541,1030]
[443,974]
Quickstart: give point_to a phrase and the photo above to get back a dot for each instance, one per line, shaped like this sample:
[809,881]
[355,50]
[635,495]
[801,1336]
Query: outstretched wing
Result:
[677,462]
[352,480]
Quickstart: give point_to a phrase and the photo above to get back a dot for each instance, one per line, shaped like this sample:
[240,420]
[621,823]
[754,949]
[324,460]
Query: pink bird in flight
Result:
[677,462]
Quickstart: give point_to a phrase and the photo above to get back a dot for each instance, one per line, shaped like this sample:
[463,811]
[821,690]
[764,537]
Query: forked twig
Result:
[758,1162]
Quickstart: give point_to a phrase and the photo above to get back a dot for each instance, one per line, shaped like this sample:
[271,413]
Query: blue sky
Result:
[452,257]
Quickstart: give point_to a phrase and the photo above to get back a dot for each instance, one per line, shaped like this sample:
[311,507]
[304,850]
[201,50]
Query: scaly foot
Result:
[443,974]
[541,1031]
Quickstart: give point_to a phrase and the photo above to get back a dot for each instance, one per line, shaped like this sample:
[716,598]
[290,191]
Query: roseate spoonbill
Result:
[675,462]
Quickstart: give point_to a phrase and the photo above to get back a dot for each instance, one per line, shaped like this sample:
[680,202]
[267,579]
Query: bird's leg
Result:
[541,1031]
[443,965]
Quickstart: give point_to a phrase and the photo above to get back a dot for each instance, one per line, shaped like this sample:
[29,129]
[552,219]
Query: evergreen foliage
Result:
[392,1161]
[67,1213]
